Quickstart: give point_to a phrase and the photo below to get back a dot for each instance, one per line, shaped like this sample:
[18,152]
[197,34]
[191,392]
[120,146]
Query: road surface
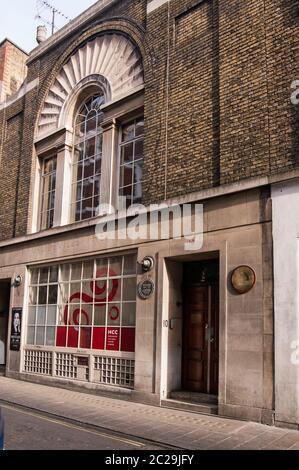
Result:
[28,430]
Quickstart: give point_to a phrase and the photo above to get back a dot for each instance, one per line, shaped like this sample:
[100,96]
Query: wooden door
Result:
[214,341]
[200,339]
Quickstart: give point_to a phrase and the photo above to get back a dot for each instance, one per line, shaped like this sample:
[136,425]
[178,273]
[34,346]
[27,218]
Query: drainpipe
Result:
[167,99]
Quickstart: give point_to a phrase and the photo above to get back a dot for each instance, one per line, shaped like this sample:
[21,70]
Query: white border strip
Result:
[25,88]
[154,4]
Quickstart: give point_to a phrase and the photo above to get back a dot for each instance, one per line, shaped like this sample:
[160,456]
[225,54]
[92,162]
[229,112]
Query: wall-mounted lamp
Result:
[18,280]
[147,264]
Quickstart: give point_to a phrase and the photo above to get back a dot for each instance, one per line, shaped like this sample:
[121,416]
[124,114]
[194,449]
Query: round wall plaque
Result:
[146,289]
[243,279]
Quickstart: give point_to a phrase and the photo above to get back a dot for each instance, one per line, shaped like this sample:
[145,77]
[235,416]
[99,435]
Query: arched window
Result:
[87,159]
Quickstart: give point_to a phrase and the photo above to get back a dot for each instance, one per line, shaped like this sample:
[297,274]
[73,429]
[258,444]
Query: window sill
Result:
[70,227]
[82,352]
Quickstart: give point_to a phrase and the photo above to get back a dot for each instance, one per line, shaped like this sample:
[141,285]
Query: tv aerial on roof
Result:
[43,8]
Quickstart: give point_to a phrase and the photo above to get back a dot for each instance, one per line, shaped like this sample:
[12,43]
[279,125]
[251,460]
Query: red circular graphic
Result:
[114,313]
[100,296]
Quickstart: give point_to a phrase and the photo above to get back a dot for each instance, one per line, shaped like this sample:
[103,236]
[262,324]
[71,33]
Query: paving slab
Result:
[167,426]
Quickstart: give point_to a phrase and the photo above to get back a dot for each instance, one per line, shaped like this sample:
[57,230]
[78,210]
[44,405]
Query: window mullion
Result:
[63,186]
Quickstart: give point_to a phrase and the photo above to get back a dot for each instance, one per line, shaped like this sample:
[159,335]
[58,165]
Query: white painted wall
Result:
[3,335]
[172,328]
[285,200]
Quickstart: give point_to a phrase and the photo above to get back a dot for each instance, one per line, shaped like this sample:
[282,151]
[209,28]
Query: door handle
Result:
[207,333]
[212,337]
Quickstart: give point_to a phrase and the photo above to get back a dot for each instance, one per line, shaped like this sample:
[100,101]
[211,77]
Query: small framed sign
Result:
[146,289]
[243,279]
[16,328]
[83,361]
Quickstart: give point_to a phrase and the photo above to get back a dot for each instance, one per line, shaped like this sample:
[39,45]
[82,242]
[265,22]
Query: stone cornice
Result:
[197,197]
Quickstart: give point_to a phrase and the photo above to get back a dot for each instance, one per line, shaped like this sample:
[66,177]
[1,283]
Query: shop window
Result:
[48,190]
[87,160]
[86,305]
[131,162]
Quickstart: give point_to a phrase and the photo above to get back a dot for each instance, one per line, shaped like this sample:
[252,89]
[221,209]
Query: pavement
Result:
[157,426]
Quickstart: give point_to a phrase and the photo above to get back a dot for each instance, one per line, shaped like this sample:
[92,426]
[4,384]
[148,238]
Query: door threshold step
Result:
[203,408]
[194,397]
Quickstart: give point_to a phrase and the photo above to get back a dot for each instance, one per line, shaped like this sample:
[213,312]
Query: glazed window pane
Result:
[48,192]
[88,148]
[131,163]
[81,304]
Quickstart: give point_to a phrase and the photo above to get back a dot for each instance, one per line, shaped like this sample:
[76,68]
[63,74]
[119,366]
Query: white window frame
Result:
[120,145]
[74,350]
[72,202]
[40,190]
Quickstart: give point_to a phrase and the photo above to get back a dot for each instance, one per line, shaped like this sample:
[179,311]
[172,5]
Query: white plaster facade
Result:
[285,200]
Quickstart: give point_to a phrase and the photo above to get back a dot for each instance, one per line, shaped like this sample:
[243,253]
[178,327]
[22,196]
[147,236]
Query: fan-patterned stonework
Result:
[111,56]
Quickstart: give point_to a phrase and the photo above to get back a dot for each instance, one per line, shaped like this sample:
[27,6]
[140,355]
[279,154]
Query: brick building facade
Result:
[12,68]
[212,81]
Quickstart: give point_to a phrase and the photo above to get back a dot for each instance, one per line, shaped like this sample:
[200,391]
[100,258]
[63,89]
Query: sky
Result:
[18,20]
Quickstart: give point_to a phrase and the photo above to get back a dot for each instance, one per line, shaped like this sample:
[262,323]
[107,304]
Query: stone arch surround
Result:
[112,56]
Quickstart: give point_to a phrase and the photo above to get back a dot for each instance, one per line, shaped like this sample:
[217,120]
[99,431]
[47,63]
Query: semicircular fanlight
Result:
[111,56]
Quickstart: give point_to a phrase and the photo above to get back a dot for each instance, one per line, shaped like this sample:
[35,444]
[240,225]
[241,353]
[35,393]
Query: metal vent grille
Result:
[104,370]
[65,367]
[38,362]
[114,371]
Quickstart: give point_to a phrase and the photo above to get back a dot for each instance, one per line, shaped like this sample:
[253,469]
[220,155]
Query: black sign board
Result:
[16,326]
[146,289]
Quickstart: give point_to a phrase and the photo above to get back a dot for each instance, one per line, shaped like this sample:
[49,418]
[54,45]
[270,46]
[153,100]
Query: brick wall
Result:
[192,144]
[10,172]
[12,69]
[217,98]
[282,44]
[213,87]
[2,62]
